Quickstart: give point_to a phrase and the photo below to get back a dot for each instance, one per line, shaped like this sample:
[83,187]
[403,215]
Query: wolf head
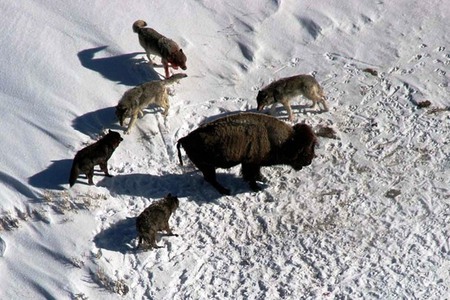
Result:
[121,113]
[172,202]
[178,59]
[263,98]
[113,138]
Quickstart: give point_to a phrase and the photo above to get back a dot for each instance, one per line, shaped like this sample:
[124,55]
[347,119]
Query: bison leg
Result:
[209,173]
[252,173]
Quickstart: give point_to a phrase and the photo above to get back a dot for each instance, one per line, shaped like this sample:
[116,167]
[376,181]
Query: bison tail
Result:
[74,172]
[179,151]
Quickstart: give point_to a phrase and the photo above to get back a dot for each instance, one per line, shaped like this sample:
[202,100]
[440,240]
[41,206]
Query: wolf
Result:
[155,218]
[96,154]
[283,90]
[155,43]
[136,99]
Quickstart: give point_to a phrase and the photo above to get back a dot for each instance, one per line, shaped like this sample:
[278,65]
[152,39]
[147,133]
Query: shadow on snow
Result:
[125,69]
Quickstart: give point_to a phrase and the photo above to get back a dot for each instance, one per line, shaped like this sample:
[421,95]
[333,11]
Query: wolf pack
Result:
[251,139]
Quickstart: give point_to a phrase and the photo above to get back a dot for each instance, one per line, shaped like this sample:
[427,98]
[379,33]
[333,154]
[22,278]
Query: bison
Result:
[250,139]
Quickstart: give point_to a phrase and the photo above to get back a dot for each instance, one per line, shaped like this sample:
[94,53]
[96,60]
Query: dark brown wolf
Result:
[96,154]
[155,43]
[155,218]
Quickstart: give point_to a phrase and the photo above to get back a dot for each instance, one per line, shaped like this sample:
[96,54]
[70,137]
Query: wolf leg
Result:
[322,100]
[90,176]
[166,67]
[168,230]
[165,103]
[287,106]
[74,172]
[104,168]
[272,109]
[132,122]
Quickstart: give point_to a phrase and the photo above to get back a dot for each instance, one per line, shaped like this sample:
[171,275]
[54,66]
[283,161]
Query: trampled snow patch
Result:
[368,219]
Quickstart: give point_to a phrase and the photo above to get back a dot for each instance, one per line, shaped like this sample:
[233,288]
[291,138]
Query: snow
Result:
[368,219]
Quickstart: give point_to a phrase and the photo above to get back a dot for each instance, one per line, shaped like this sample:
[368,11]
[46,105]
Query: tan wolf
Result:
[155,43]
[96,154]
[155,218]
[283,90]
[136,99]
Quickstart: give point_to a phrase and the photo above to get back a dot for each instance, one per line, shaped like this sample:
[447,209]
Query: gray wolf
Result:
[96,154]
[250,139]
[155,218]
[136,99]
[155,43]
[283,90]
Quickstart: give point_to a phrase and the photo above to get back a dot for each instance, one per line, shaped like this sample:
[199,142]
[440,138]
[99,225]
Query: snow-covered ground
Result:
[368,219]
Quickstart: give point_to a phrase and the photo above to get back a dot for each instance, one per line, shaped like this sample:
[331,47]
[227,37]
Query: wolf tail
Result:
[74,172]
[138,25]
[179,151]
[139,241]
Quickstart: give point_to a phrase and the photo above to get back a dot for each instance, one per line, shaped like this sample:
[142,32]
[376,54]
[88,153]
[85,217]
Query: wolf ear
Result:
[109,131]
[169,195]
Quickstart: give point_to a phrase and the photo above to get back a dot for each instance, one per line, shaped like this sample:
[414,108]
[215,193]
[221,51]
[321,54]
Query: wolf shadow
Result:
[124,69]
[118,237]
[54,177]
[92,123]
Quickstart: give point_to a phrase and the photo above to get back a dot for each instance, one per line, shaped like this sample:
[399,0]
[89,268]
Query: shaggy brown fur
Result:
[155,43]
[283,90]
[155,218]
[136,99]
[96,154]
[252,140]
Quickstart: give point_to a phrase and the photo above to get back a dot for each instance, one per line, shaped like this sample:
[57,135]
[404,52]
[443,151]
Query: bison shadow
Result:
[125,69]
[92,123]
[119,237]
[54,177]
[190,184]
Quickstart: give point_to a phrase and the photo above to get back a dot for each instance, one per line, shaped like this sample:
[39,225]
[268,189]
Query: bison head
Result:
[300,149]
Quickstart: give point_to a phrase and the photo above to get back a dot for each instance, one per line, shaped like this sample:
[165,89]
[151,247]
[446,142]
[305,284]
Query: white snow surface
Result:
[368,219]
